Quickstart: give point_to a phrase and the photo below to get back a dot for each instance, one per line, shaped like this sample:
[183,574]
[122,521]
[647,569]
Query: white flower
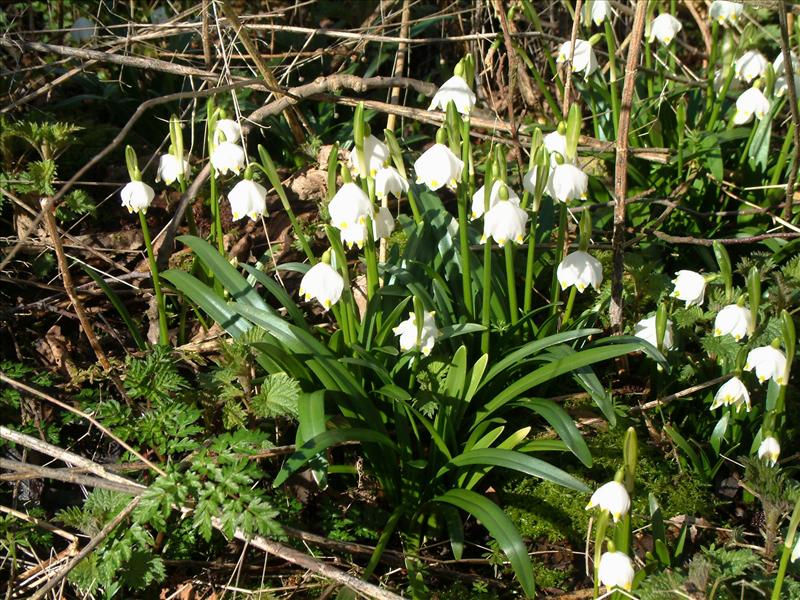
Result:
[82,29]
[768,362]
[528,181]
[750,65]
[349,207]
[376,154]
[555,142]
[725,12]
[137,196]
[423,340]
[583,59]
[478,200]
[778,66]
[735,320]
[616,570]
[612,497]
[437,167]
[781,85]
[457,90]
[324,283]
[689,287]
[170,168]
[504,221]
[750,102]
[389,181]
[567,182]
[597,10]
[581,270]
[796,550]
[382,223]
[664,27]
[646,330]
[227,130]
[248,198]
[732,393]
[227,156]
[771,450]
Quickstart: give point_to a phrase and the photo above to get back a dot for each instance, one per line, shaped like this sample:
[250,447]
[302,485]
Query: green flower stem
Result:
[648,63]
[712,59]
[612,73]
[508,248]
[463,224]
[568,310]
[788,544]
[487,295]
[746,151]
[163,331]
[599,538]
[217,214]
[531,260]
[372,262]
[780,165]
[346,315]
[559,255]
[412,202]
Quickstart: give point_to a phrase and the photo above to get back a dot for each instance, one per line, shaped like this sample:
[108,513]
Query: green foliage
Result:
[153,378]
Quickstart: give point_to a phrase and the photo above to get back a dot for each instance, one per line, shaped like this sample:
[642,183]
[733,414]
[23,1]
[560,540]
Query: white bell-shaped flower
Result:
[136,196]
[583,59]
[580,269]
[612,497]
[248,199]
[504,221]
[769,450]
[324,283]
[457,90]
[751,65]
[227,130]
[411,338]
[782,86]
[664,28]
[437,167]
[597,10]
[478,200]
[226,157]
[170,168]
[725,12]
[389,181]
[734,320]
[690,287]
[376,155]
[780,68]
[732,393]
[555,143]
[768,363]
[646,330]
[382,223]
[82,29]
[616,570]
[349,207]
[529,181]
[750,102]
[567,182]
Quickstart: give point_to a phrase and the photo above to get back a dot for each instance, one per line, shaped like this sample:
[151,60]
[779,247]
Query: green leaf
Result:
[119,306]
[277,397]
[279,293]
[563,424]
[324,441]
[501,529]
[517,461]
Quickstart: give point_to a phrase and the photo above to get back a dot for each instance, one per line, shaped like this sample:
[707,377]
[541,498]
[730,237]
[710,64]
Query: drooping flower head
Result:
[170,168]
[580,269]
[616,570]
[690,287]
[457,90]
[389,181]
[479,200]
[646,330]
[612,497]
[137,196]
[348,210]
[769,450]
[664,28]
[725,12]
[732,393]
[583,59]
[324,283]
[768,362]
[227,157]
[734,320]
[422,339]
[376,155]
[567,182]
[597,10]
[504,221]
[750,65]
[382,223]
[248,199]
[437,167]
[227,130]
[750,102]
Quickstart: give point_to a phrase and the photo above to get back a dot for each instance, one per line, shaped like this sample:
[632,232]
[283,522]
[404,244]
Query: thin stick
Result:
[687,392]
[30,471]
[789,68]
[86,325]
[87,549]
[621,168]
[28,389]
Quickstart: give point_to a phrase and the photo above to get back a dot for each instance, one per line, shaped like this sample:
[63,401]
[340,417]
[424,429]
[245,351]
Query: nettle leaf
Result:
[233,415]
[278,397]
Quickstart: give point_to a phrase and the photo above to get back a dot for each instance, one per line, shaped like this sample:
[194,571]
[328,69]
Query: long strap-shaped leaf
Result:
[517,461]
[563,424]
[501,529]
